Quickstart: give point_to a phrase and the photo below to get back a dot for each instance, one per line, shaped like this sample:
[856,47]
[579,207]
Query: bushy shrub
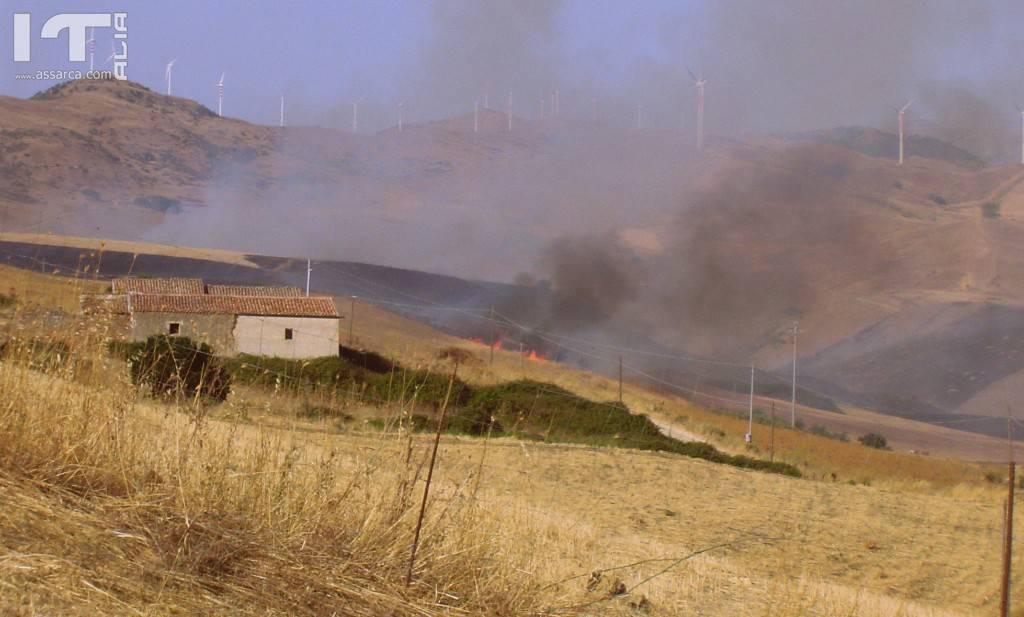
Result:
[326,371]
[175,366]
[874,440]
[824,432]
[371,361]
[992,210]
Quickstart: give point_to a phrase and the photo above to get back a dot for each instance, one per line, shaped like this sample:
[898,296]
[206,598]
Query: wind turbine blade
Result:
[221,82]
[691,74]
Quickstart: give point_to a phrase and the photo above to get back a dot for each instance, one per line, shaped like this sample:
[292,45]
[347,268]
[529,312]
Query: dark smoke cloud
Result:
[591,280]
[751,247]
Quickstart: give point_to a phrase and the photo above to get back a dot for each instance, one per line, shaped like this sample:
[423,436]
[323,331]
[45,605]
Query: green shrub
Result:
[992,210]
[874,440]
[371,361]
[534,409]
[824,432]
[287,373]
[177,366]
[428,387]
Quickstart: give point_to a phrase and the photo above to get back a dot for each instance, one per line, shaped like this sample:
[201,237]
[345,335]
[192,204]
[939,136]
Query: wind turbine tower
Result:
[355,116]
[401,105]
[92,48]
[282,110]
[508,113]
[220,95]
[902,111]
[167,75]
[699,83]
[1021,110]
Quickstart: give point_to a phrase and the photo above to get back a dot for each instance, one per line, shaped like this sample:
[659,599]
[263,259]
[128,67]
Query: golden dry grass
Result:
[49,292]
[119,504]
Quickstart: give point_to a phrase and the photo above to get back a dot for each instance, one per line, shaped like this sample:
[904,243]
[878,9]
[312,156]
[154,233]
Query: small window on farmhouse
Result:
[288,334]
[173,328]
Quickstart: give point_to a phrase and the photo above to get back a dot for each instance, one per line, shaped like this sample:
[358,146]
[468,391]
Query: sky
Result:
[772,66]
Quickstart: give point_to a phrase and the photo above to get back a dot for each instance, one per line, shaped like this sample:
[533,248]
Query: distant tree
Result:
[874,440]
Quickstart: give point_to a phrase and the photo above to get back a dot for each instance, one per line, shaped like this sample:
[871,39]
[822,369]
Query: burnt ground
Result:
[430,298]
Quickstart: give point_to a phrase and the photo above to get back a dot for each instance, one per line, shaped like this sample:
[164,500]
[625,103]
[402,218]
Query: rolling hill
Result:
[907,281]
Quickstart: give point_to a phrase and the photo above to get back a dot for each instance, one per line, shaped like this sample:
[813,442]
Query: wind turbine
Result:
[1021,110]
[355,115]
[699,83]
[282,109]
[639,116]
[113,52]
[92,48]
[902,111]
[508,114]
[401,105]
[220,95]
[476,116]
[167,75]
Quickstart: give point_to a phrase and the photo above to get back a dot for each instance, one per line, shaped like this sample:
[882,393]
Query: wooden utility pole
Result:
[351,319]
[620,378]
[1004,599]
[771,438]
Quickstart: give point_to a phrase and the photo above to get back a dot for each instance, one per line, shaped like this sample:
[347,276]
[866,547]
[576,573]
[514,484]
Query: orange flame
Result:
[533,356]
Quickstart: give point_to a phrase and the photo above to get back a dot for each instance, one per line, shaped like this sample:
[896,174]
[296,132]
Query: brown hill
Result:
[907,281]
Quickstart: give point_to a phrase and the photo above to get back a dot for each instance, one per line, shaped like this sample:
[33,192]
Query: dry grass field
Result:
[116,503]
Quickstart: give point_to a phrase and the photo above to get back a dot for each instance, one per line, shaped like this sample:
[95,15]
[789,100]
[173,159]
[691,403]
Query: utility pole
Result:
[351,319]
[492,336]
[771,436]
[1004,600]
[309,269]
[792,403]
[750,423]
[620,378]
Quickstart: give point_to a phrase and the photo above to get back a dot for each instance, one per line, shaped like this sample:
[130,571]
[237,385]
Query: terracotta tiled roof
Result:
[201,304]
[105,304]
[249,290]
[133,284]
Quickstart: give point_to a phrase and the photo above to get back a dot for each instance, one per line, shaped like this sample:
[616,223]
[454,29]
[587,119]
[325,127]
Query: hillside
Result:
[637,242]
[257,505]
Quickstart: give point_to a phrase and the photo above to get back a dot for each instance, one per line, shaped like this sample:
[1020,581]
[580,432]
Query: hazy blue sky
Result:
[323,54]
[781,65]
